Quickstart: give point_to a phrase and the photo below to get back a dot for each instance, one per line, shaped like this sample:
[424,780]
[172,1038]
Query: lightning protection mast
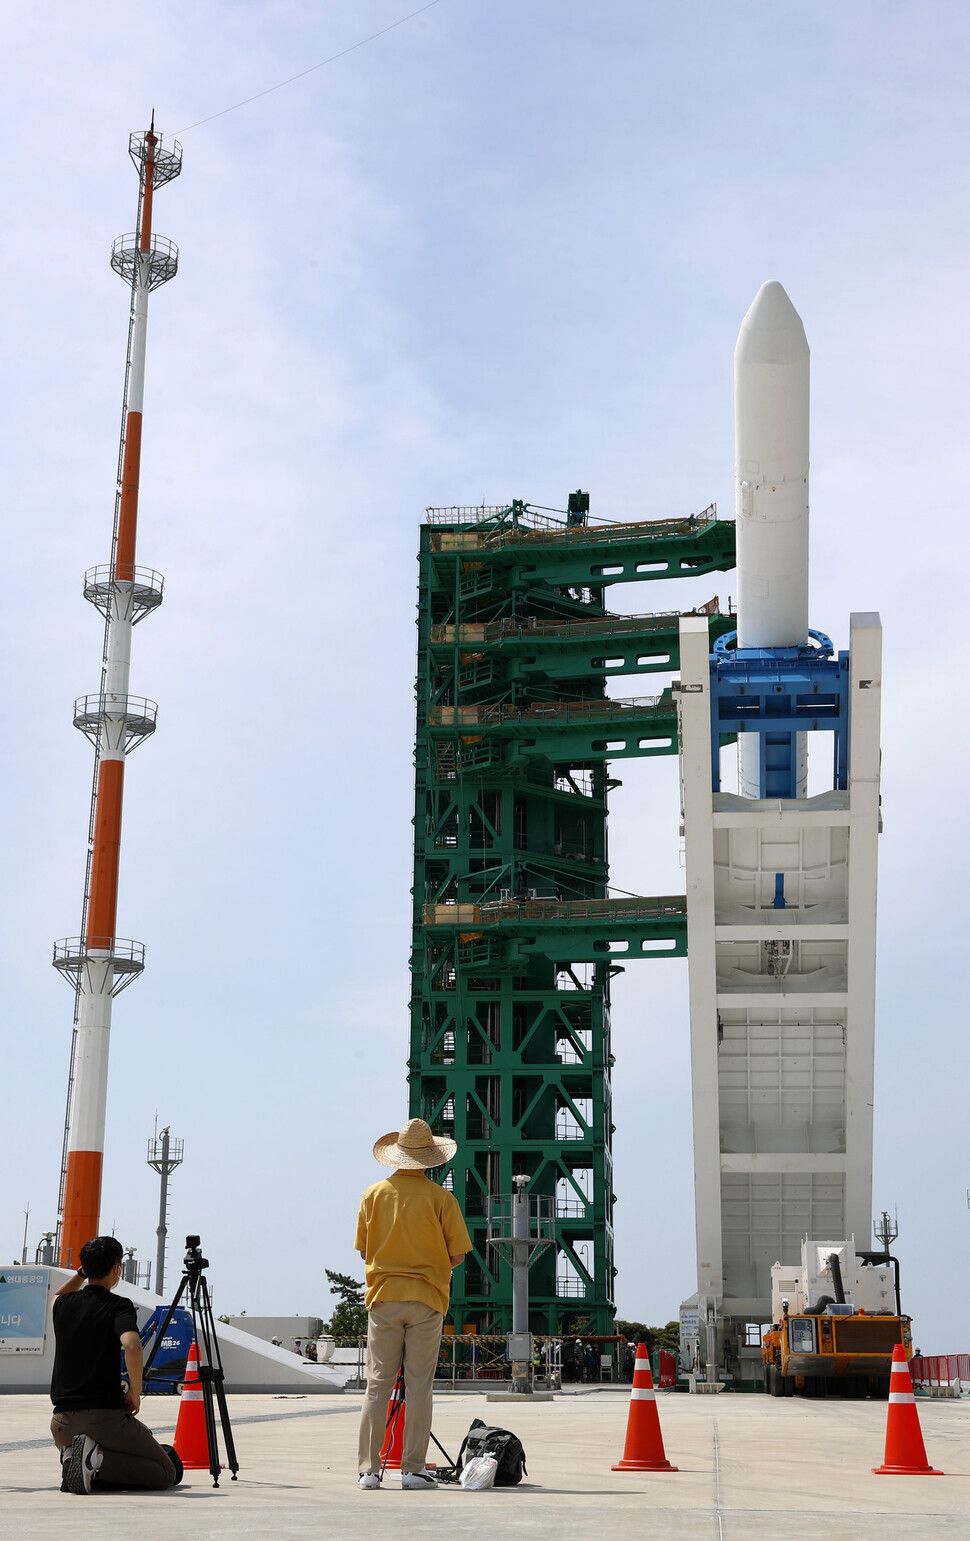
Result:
[98,963]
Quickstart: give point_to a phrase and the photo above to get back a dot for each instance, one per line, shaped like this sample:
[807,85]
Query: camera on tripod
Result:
[193,1261]
[211,1373]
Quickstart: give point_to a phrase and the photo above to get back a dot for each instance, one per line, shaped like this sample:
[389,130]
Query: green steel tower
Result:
[515,936]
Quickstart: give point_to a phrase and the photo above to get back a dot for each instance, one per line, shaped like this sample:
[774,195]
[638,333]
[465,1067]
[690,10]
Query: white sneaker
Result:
[80,1464]
[417,1480]
[368,1479]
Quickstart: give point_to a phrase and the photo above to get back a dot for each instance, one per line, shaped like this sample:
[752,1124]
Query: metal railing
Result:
[671,907]
[479,513]
[153,267]
[508,629]
[129,719]
[940,1369]
[674,907]
[605,534]
[482,1357]
[143,588]
[524,525]
[73,954]
[166,161]
[465,1357]
[603,710]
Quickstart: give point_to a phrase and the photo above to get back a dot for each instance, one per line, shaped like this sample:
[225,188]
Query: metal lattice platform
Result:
[76,958]
[144,593]
[166,161]
[160,261]
[130,719]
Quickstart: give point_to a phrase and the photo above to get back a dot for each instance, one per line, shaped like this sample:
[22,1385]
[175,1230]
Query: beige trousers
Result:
[399,1332]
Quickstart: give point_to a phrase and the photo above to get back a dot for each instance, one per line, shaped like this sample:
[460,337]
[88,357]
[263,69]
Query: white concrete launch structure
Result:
[781,887]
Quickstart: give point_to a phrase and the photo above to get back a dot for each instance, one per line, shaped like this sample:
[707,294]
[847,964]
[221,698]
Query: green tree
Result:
[349,1319]
[636,1332]
[667,1337]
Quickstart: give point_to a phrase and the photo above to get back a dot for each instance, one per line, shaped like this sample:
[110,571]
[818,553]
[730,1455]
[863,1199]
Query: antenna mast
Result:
[98,963]
[164,1155]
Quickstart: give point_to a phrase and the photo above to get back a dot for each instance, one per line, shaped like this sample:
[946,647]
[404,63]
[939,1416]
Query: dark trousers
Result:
[132,1457]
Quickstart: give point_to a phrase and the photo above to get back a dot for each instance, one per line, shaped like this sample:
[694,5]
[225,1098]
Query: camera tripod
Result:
[447,1473]
[211,1373]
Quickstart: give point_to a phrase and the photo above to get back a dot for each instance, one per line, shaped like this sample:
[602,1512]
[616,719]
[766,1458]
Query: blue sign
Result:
[23,1309]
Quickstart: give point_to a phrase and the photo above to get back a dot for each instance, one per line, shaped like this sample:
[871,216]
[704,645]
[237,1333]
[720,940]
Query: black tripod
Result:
[211,1373]
[395,1407]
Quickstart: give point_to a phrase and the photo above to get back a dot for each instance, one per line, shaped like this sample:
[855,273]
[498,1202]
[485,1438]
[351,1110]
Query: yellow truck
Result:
[836,1321]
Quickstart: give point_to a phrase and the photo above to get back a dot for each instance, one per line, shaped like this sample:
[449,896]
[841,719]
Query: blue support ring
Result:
[726,649]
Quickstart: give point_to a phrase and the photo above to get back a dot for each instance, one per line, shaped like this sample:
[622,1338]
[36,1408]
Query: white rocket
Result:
[771,362]
[782,995]
[771,408]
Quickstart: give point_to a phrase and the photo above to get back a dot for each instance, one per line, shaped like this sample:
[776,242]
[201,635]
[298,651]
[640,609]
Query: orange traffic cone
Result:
[190,1442]
[644,1448]
[905,1455]
[393,1446]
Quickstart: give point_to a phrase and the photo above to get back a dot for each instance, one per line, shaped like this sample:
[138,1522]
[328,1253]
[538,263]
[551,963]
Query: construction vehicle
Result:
[835,1323]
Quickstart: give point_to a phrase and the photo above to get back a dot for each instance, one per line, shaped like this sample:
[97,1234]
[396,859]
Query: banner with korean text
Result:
[23,1309]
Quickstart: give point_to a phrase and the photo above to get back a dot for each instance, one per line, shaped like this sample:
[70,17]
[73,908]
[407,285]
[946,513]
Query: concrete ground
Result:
[750,1467]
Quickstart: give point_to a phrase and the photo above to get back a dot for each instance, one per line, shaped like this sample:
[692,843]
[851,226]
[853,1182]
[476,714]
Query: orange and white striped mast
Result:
[98,962]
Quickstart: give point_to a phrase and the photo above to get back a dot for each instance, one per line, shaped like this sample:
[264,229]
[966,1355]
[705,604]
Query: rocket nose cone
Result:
[772,331]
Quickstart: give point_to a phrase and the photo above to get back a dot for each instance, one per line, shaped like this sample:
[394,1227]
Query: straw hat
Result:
[413,1147]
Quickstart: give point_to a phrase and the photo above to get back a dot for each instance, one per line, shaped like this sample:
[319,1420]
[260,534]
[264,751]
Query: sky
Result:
[502,250]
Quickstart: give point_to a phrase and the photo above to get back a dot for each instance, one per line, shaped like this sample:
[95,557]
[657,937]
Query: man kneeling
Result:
[102,1444]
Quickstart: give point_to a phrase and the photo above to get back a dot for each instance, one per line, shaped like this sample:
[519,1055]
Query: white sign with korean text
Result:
[23,1309]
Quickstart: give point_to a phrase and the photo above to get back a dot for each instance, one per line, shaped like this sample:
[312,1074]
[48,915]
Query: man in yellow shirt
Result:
[411,1234]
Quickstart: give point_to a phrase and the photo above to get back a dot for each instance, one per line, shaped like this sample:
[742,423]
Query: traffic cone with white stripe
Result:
[190,1442]
[644,1448]
[905,1454]
[393,1446]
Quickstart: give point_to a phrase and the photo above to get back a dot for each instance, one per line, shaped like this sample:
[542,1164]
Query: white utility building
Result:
[781,886]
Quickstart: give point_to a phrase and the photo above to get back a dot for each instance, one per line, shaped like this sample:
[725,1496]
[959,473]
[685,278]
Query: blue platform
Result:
[779,693]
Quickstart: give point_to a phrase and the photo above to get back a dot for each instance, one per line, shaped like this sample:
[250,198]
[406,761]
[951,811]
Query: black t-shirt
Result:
[87,1354]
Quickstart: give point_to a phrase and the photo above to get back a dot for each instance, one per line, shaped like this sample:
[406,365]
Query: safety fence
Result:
[482,1357]
[462,1357]
[941,1370]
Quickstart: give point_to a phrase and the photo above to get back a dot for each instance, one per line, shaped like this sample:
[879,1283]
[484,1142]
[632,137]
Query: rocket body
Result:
[771,407]
[771,416]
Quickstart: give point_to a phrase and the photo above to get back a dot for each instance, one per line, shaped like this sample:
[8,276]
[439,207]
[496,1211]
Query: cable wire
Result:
[291,78]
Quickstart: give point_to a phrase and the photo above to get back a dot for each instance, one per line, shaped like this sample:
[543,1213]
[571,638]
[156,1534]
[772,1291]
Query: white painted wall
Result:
[250,1364]
[782,1105]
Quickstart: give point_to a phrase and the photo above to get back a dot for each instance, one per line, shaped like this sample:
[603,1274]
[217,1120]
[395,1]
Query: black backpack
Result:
[504,1447]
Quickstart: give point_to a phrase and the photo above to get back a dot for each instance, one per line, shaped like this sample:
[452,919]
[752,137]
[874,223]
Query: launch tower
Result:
[516,936]
[99,963]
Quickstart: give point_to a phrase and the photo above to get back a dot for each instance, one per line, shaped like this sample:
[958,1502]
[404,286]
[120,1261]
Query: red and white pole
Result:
[98,962]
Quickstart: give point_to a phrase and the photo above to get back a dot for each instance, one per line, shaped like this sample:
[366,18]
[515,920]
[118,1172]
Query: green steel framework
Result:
[513,926]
